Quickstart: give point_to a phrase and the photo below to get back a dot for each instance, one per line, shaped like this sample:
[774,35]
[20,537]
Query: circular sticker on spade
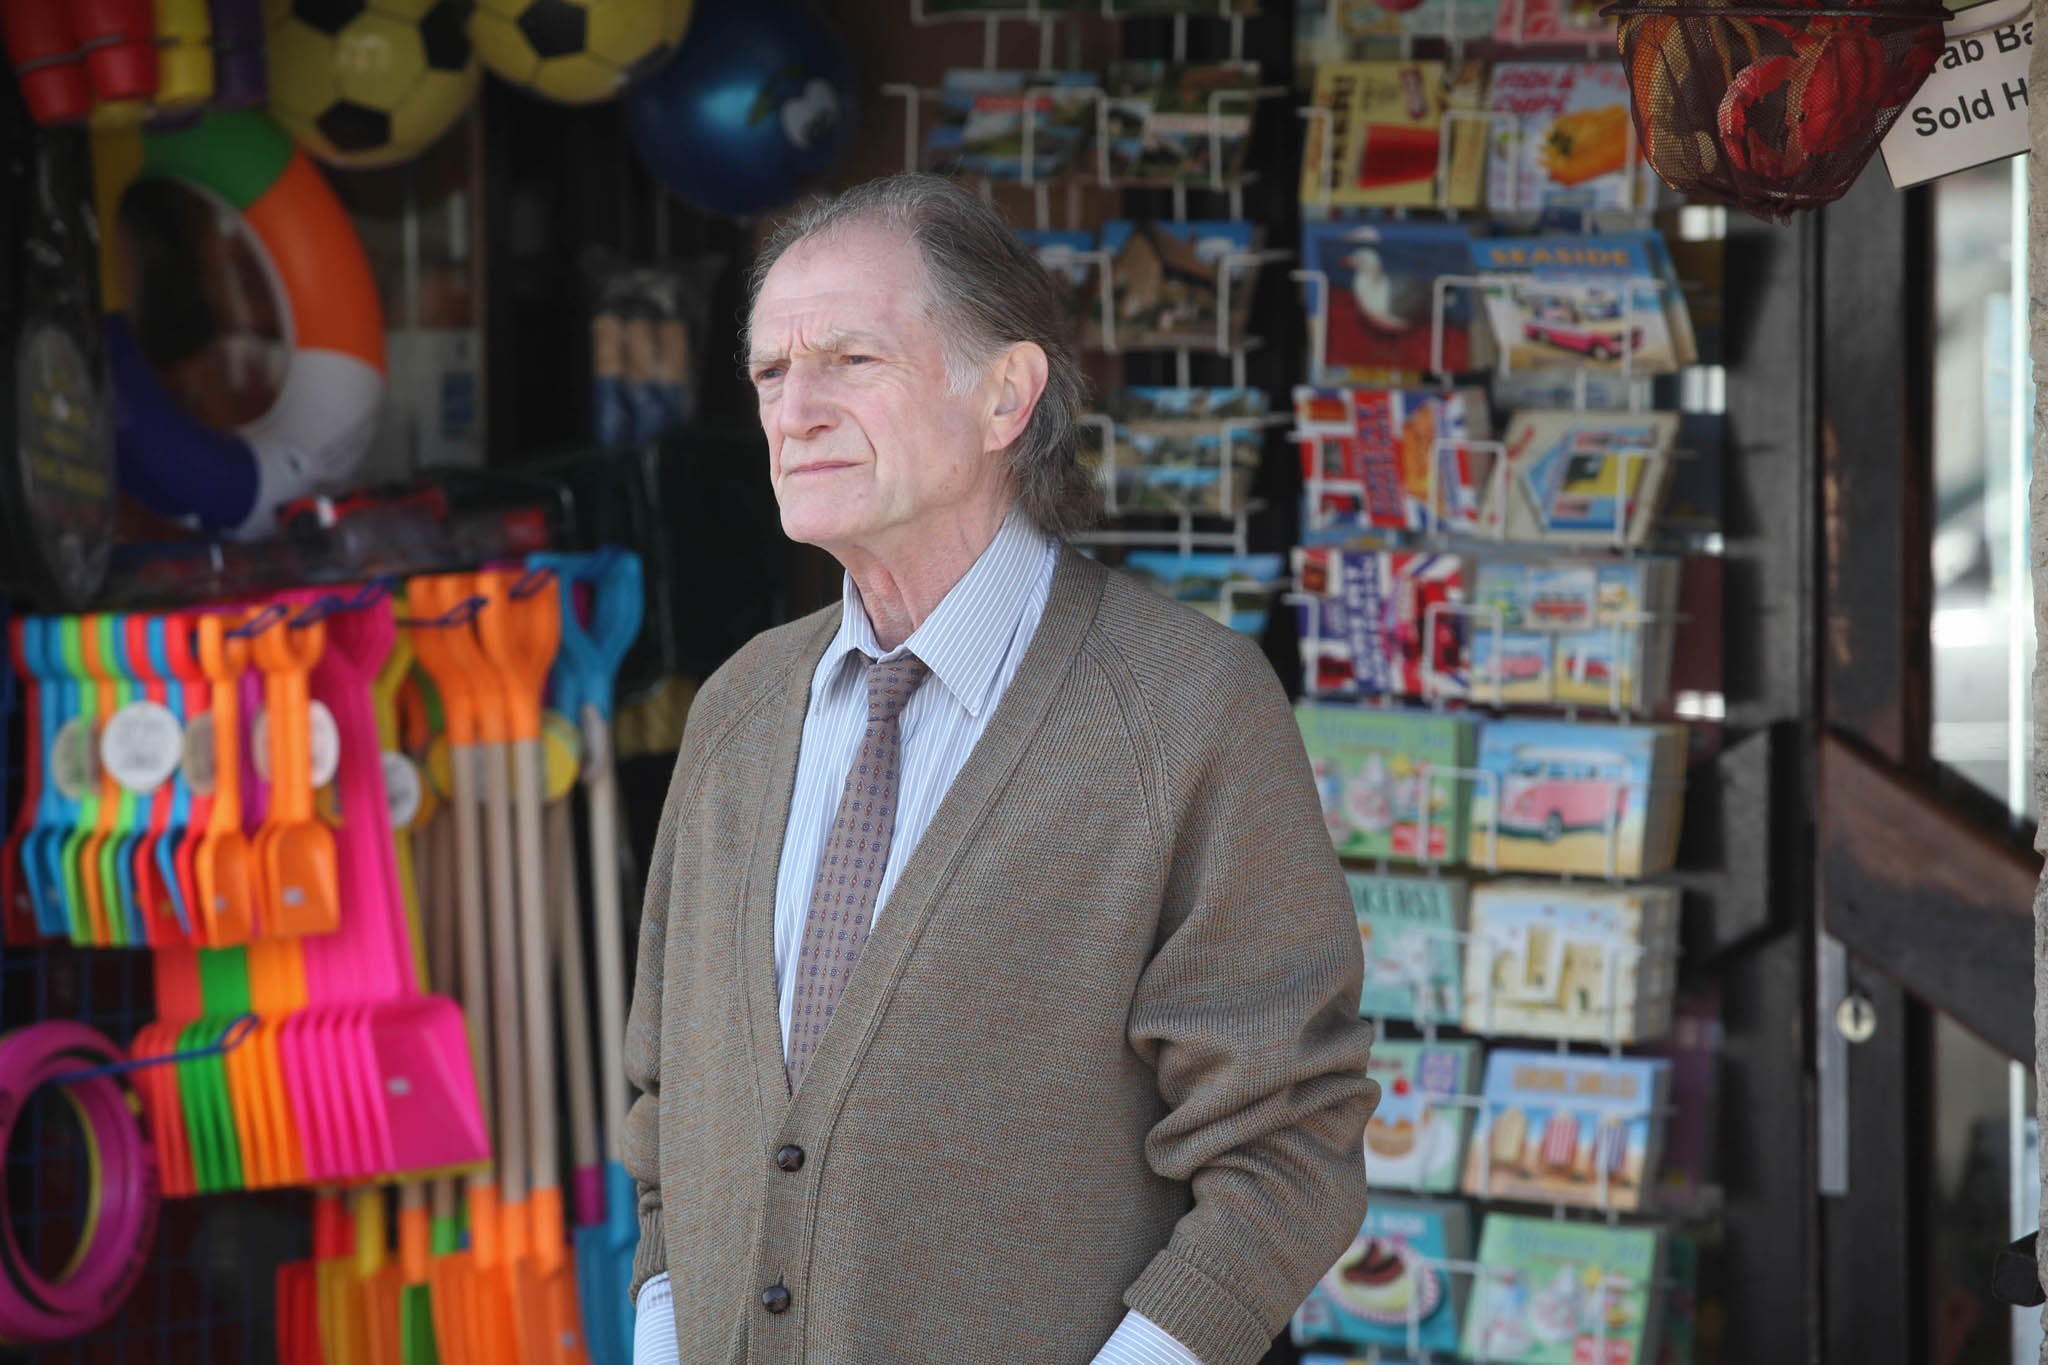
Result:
[141,745]
[562,750]
[404,790]
[326,743]
[74,760]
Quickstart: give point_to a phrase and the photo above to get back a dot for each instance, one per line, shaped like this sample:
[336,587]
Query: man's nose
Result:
[805,409]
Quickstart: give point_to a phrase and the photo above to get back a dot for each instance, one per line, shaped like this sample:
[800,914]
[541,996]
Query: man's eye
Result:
[766,373]
[858,359]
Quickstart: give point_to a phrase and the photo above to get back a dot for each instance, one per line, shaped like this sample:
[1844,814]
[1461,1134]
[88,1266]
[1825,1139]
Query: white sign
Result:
[1973,109]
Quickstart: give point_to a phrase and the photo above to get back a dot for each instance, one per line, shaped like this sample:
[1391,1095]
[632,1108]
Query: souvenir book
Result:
[1380,313]
[1562,1293]
[1390,1289]
[1583,478]
[1575,961]
[1562,135]
[1187,450]
[1391,138]
[1381,623]
[1409,930]
[1564,1128]
[1597,302]
[1392,459]
[1378,773]
[1569,797]
[1416,1138]
[1168,284]
[1236,590]
[980,126]
[1163,123]
[1066,257]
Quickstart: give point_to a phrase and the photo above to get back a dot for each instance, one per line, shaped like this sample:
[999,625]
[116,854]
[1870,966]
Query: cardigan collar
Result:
[1069,613]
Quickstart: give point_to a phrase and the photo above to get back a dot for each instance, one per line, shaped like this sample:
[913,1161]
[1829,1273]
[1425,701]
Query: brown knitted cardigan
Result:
[1102,1049]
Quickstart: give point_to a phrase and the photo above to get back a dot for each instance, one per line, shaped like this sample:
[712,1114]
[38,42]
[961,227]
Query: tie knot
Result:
[891,684]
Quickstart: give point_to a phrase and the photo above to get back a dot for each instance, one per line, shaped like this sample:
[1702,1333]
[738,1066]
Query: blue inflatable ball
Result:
[754,108]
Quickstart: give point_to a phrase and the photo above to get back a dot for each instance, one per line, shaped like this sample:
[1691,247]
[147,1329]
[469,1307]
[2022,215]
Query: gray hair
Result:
[985,292]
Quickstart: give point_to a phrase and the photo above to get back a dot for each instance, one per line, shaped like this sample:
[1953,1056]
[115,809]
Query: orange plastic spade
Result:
[520,628]
[473,1314]
[294,849]
[221,864]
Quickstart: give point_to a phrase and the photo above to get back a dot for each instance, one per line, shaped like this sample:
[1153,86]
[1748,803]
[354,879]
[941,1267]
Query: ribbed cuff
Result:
[650,1258]
[1199,1311]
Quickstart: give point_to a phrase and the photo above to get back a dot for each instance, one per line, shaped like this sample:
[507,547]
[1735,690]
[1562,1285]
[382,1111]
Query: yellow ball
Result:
[577,51]
[369,82]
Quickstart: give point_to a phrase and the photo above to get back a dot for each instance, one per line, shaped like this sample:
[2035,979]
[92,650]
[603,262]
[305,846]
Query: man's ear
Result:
[1016,382]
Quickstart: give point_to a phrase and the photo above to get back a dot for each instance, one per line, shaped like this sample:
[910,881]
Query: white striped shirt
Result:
[973,642]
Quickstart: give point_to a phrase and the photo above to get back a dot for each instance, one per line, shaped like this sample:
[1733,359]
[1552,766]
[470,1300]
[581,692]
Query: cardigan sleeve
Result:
[1248,1013]
[642,1146]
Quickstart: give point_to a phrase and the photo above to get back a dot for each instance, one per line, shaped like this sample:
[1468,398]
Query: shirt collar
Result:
[966,638]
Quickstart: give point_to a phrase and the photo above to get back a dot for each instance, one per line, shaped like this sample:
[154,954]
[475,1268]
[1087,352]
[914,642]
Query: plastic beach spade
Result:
[294,850]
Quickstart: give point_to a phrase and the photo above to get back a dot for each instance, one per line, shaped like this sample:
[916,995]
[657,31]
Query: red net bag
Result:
[1771,107]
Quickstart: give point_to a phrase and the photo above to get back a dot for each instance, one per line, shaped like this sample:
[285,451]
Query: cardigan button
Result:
[790,1158]
[775,1299]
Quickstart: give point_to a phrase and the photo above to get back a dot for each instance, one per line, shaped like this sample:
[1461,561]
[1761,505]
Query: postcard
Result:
[1562,136]
[1415,1141]
[1409,928]
[1563,796]
[1585,963]
[1382,315]
[980,128]
[1564,1128]
[1391,1282]
[1583,478]
[1558,1293]
[1237,590]
[1392,135]
[1178,284]
[1597,302]
[1177,124]
[1379,776]
[1392,459]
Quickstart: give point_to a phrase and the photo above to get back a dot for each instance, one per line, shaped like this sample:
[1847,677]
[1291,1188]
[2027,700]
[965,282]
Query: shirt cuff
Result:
[1138,1341]
[654,1325]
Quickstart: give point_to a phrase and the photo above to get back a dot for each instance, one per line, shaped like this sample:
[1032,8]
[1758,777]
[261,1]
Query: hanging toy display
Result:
[277,393]
[372,83]
[755,108]
[577,51]
[1770,106]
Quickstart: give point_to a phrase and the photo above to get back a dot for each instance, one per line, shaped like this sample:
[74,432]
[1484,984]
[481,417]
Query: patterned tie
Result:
[850,870]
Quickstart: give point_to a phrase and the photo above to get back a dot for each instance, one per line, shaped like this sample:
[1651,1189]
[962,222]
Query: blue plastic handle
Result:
[587,663]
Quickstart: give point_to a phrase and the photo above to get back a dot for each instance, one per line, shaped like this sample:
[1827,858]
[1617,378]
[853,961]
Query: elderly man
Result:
[998,987]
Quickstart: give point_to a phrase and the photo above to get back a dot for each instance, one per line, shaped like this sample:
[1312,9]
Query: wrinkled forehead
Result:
[850,277]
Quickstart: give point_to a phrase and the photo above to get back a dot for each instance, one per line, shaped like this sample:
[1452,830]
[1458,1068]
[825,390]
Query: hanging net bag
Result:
[1771,107]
